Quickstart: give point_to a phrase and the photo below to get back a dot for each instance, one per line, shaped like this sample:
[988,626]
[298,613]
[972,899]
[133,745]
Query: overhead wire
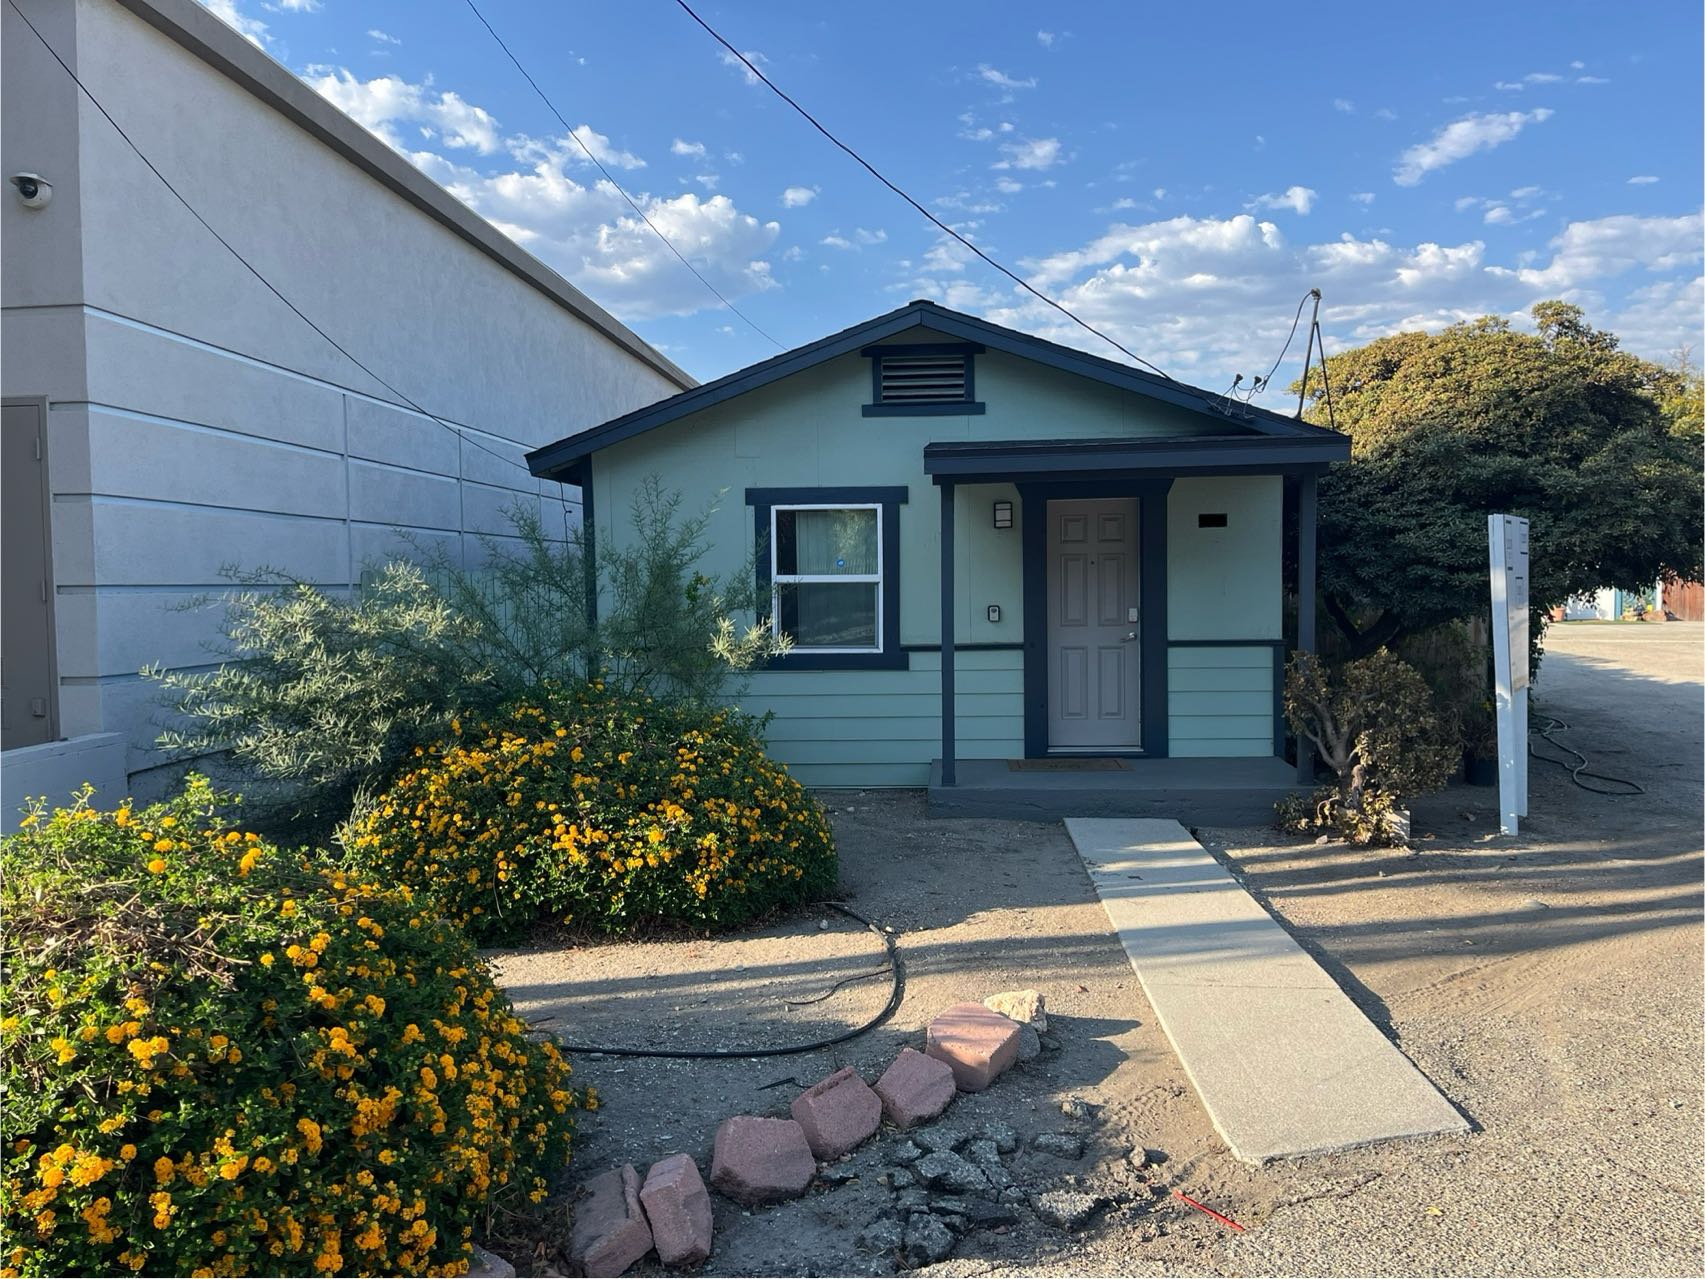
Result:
[611,179]
[919,207]
[407,401]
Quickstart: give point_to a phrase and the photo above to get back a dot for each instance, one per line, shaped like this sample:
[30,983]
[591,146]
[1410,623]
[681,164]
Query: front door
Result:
[1093,625]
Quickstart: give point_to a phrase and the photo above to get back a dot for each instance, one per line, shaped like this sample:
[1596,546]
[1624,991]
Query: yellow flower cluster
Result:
[184,1108]
[605,813]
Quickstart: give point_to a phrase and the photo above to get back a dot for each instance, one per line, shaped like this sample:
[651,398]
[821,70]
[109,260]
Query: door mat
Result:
[1087,764]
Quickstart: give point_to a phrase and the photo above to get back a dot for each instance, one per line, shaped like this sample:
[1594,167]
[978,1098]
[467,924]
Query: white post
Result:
[1507,538]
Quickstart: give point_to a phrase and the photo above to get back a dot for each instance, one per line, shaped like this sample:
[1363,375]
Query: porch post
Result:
[949,765]
[1306,606]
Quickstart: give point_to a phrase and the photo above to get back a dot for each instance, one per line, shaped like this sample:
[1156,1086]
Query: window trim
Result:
[969,406]
[887,502]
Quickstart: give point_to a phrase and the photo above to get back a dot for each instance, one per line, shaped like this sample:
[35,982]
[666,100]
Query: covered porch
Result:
[1151,669]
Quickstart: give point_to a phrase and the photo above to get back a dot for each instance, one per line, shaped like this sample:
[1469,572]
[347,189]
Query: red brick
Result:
[914,1088]
[677,1205]
[759,1161]
[610,1231]
[838,1114]
[976,1044]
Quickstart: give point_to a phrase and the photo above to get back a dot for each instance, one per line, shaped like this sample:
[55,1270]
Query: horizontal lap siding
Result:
[883,728]
[1220,700]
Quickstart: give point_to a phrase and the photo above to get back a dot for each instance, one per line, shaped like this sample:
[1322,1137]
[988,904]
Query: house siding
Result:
[883,728]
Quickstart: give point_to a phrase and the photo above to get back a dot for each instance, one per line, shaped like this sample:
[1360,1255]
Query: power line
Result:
[942,226]
[337,346]
[610,178]
[1260,383]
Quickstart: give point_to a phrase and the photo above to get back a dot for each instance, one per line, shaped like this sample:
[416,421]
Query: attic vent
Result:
[923,379]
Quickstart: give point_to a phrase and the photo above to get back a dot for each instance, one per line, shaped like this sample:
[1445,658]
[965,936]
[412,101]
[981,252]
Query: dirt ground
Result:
[1550,985]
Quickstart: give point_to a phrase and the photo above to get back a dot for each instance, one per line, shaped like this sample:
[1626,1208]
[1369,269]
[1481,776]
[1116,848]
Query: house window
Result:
[829,562]
[826,577]
[920,381]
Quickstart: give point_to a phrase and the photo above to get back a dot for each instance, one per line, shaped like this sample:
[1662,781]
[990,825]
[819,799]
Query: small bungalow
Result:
[1024,576]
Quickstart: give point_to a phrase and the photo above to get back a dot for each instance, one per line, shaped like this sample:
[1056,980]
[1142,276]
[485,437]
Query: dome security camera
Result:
[34,191]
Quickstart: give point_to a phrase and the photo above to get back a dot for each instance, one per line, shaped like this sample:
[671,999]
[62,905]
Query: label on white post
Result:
[1507,539]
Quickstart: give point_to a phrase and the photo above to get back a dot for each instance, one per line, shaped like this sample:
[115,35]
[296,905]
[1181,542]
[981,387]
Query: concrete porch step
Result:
[1198,792]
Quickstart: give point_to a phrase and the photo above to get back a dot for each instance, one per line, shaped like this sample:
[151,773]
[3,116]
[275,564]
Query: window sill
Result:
[808,661]
[963,408]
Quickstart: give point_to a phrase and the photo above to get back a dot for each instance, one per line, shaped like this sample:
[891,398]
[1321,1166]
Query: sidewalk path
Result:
[1283,1061]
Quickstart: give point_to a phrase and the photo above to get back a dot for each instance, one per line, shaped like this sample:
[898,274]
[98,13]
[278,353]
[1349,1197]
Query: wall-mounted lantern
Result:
[1003,514]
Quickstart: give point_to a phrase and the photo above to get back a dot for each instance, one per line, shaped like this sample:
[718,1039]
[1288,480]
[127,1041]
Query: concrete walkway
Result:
[1283,1061]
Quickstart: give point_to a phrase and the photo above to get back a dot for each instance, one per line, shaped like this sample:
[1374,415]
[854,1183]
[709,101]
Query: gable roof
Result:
[554,461]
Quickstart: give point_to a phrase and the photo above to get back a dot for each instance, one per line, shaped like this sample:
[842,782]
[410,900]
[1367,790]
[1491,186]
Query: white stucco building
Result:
[184,418]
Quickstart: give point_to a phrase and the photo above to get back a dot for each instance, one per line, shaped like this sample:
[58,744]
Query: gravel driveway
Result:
[1551,986]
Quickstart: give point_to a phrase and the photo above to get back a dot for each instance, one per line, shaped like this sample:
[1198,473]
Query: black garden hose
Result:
[889,944]
[1549,725]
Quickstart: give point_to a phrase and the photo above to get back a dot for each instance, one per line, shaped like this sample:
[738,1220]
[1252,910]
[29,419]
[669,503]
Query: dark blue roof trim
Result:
[552,460]
[995,460]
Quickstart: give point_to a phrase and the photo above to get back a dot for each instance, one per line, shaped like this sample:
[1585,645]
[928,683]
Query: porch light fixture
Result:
[1003,514]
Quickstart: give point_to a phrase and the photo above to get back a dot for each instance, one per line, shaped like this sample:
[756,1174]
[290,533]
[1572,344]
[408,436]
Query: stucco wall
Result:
[870,728]
[194,421]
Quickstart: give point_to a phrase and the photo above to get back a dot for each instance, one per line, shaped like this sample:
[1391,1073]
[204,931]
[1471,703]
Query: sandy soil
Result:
[1550,985]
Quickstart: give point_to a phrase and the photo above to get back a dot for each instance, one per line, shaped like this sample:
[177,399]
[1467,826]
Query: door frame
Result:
[40,404]
[1151,533]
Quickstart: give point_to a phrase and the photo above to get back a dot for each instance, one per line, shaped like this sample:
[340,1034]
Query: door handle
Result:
[1130,637]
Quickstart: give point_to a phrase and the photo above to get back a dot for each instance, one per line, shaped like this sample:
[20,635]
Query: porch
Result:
[1205,792]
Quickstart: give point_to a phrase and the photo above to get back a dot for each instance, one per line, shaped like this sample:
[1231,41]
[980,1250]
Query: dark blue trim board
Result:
[949,747]
[1151,522]
[893,656]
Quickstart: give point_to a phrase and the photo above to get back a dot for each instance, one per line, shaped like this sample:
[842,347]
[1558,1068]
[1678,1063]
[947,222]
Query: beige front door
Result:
[1093,625]
[27,704]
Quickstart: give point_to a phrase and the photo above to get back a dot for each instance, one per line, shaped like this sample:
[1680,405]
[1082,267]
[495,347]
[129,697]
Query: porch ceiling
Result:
[972,461]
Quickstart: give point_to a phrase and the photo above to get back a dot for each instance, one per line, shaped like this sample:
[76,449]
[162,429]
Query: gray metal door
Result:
[1093,625]
[28,712]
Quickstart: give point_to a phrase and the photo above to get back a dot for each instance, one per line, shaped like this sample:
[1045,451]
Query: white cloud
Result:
[1030,153]
[682,147]
[1344,105]
[603,151]
[385,101]
[1462,138]
[859,239]
[995,76]
[1297,199]
[751,55]
[1642,180]
[1592,79]
[1542,77]
[798,197]
[1602,248]
[1363,198]
[251,29]
[297,6]
[1008,186]
[1045,39]
[383,37]
[1385,113]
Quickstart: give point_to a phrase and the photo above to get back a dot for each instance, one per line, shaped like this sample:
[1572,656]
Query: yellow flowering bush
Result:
[610,810]
[222,1059]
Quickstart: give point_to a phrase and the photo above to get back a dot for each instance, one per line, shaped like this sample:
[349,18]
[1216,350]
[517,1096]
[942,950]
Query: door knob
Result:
[1130,637]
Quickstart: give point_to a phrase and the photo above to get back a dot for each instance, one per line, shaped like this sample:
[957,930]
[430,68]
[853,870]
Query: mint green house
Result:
[1012,571]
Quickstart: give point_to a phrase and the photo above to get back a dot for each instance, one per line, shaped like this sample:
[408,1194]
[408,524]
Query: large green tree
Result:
[1598,448]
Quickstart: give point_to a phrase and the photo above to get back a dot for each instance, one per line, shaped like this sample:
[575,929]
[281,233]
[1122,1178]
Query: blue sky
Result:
[1178,174]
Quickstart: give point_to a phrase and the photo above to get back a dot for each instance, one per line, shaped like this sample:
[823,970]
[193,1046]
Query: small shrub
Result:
[221,1060]
[614,810]
[1374,724]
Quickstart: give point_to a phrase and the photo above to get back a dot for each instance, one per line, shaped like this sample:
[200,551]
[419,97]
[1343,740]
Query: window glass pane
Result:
[825,543]
[829,614]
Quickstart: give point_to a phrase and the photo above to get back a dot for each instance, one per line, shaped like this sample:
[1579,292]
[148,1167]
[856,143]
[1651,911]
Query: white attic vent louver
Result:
[924,379]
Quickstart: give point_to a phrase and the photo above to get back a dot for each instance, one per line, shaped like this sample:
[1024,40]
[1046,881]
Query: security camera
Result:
[34,191]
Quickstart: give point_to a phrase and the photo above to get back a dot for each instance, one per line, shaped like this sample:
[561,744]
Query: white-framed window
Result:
[826,566]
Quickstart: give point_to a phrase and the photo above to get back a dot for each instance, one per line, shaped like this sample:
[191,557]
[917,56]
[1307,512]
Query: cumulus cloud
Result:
[999,78]
[382,37]
[386,101]
[1030,153]
[1297,199]
[1642,180]
[603,151]
[1363,198]
[682,147]
[1344,105]
[1206,297]
[751,55]
[1045,39]
[798,197]
[858,240]
[1462,138]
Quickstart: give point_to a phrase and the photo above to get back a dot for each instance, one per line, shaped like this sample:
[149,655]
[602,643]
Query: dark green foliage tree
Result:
[1598,448]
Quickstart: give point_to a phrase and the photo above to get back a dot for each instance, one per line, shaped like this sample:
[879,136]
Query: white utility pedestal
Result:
[1507,539]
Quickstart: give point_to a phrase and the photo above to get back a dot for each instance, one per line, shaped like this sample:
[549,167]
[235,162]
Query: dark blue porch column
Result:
[1306,607]
[949,765]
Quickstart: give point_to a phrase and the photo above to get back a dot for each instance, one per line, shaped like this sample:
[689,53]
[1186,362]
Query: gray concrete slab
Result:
[1203,792]
[1284,1062]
